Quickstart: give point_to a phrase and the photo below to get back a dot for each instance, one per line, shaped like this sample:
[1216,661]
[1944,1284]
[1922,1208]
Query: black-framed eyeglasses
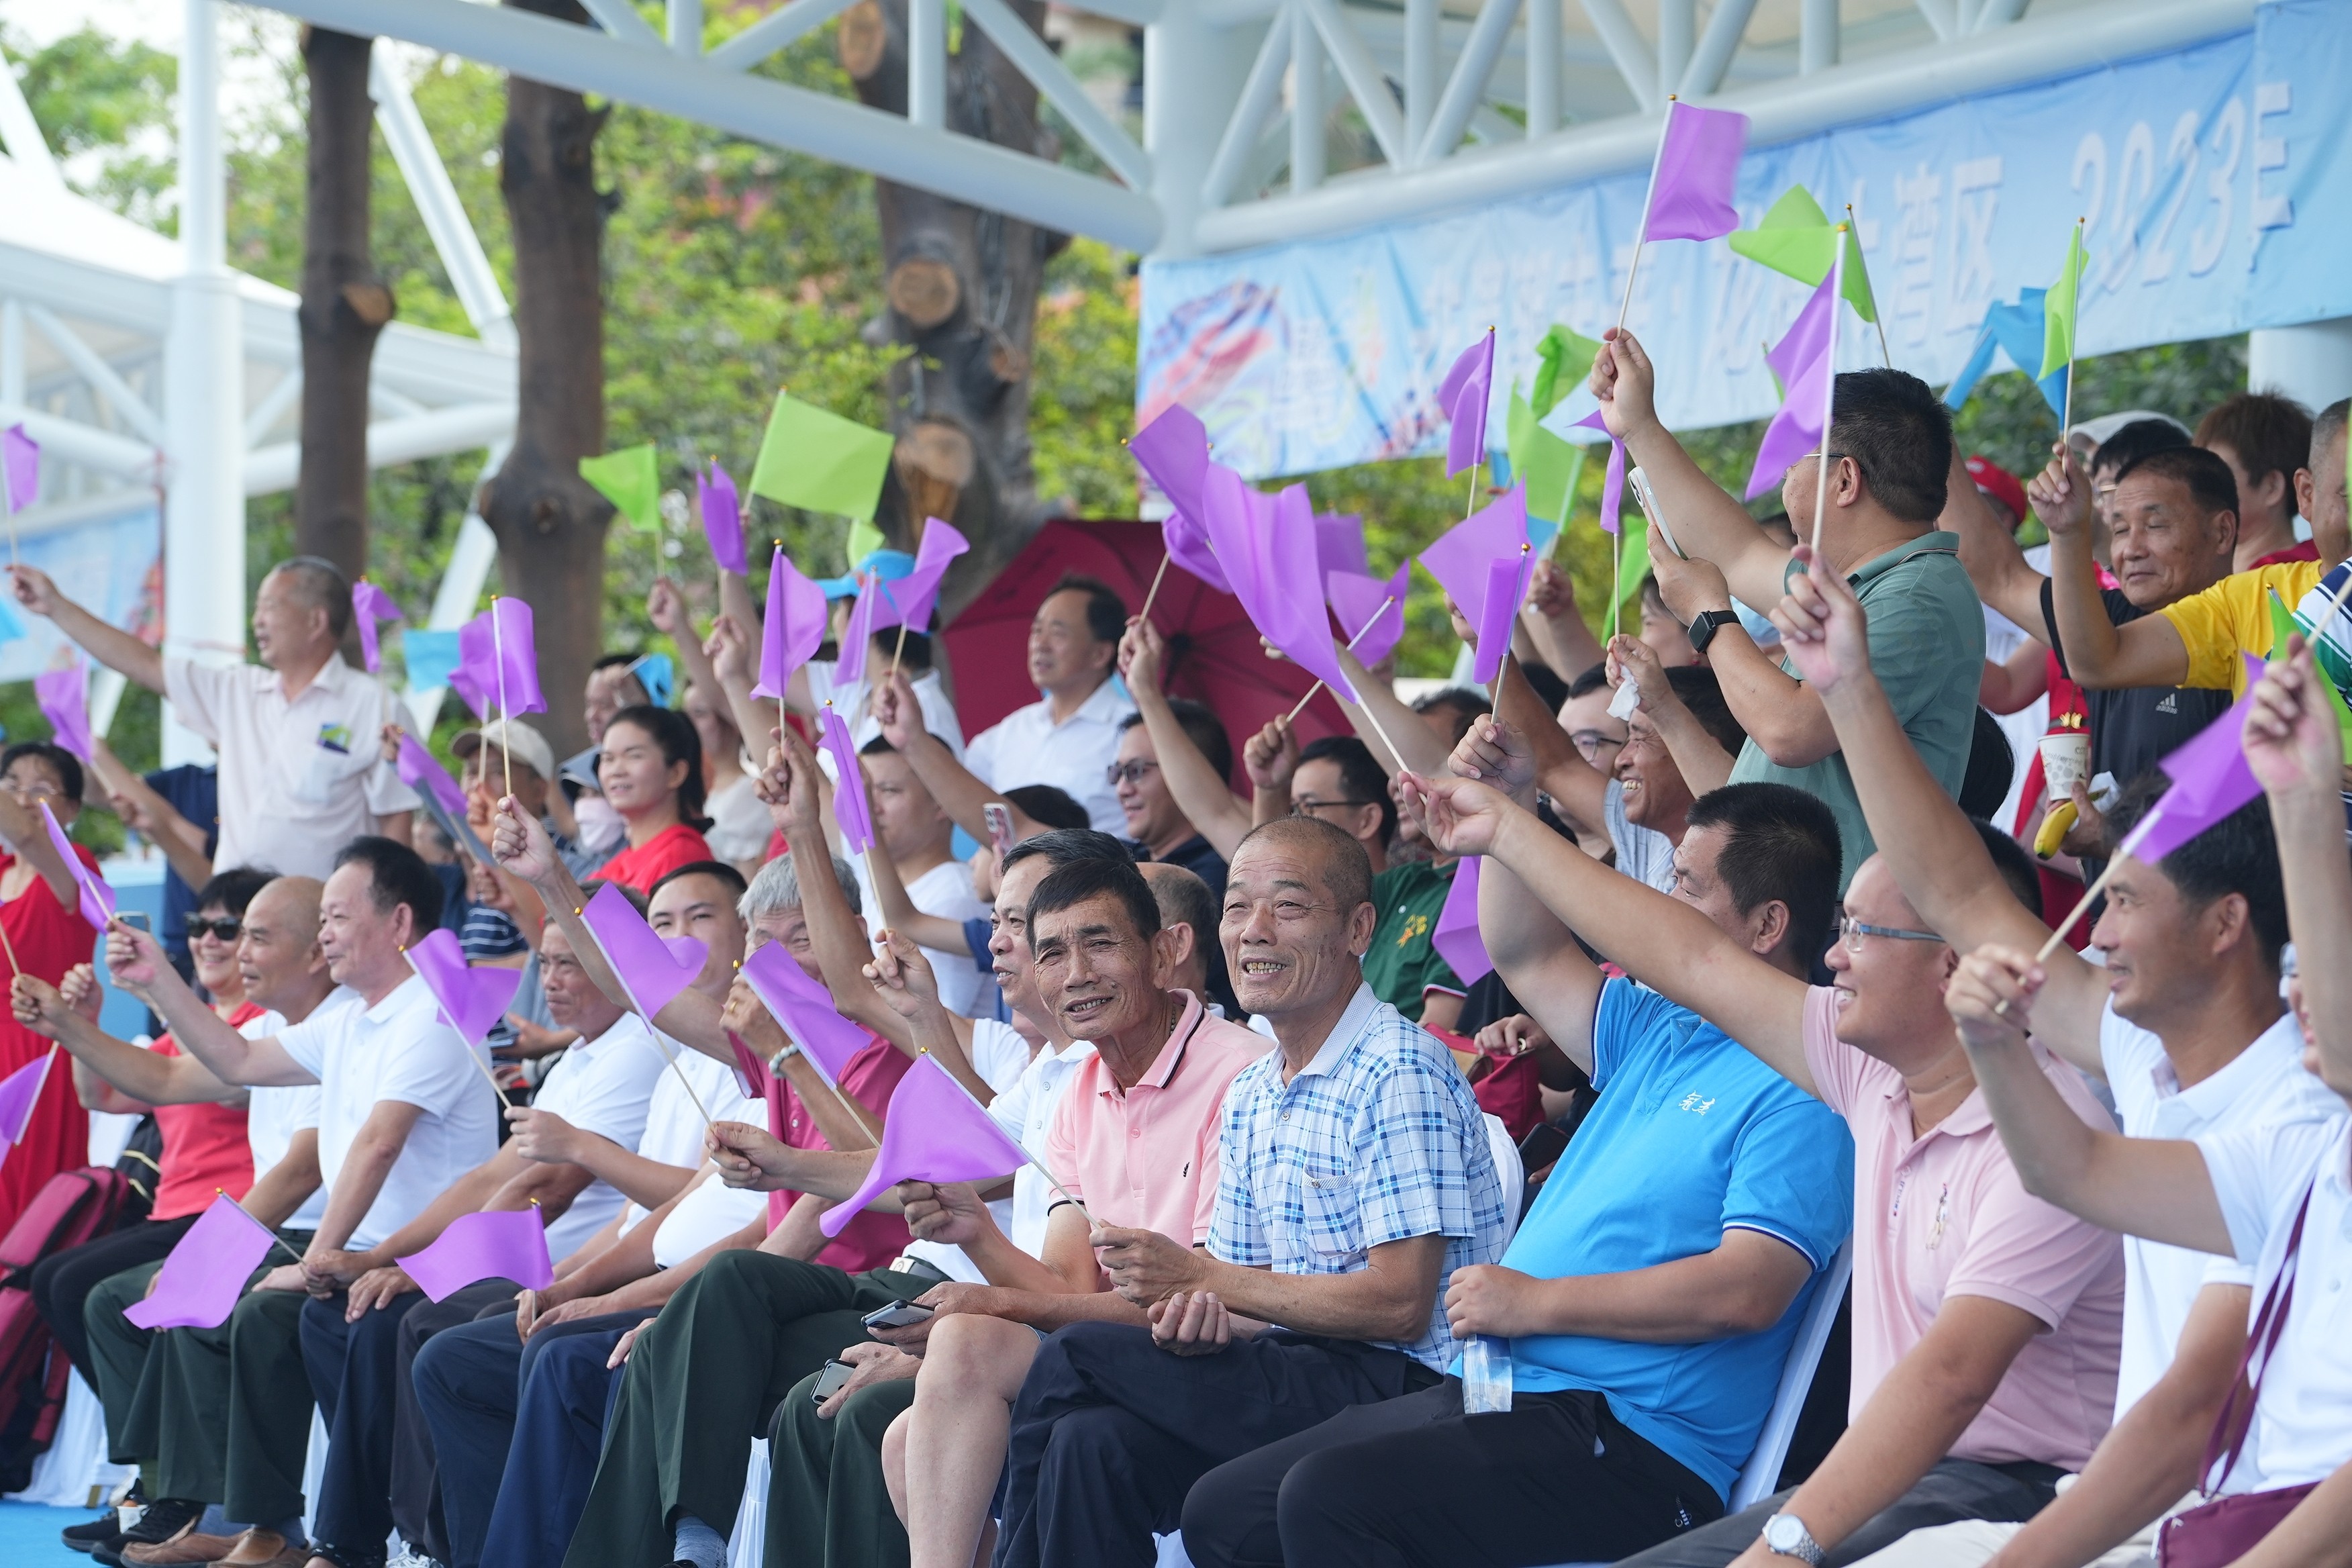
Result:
[226,929]
[1132,771]
[1301,808]
[1852,931]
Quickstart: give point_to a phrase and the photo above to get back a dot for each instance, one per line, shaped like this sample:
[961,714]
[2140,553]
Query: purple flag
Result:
[1173,449]
[722,519]
[495,1243]
[1340,544]
[369,604]
[20,467]
[206,1271]
[804,1007]
[867,615]
[849,808]
[916,595]
[472,999]
[1464,396]
[498,662]
[1266,545]
[418,771]
[1612,487]
[1456,937]
[1506,584]
[97,898]
[796,626]
[935,1131]
[19,1092]
[1698,163]
[653,968]
[2209,780]
[1459,557]
[63,696]
[1800,359]
[1188,545]
[1372,626]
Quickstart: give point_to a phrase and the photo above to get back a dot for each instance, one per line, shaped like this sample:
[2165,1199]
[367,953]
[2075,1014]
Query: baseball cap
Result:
[517,740]
[888,565]
[2001,484]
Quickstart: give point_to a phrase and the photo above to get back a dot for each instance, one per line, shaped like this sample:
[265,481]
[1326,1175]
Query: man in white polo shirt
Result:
[299,771]
[1069,737]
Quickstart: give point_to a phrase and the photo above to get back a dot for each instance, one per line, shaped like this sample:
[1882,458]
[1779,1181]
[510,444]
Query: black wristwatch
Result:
[1703,630]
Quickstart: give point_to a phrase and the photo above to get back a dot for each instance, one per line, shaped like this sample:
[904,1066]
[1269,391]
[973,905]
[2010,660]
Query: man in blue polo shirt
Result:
[1651,1295]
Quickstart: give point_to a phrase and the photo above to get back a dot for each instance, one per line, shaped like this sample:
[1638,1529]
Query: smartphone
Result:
[998,817]
[135,919]
[1649,502]
[829,1381]
[898,1315]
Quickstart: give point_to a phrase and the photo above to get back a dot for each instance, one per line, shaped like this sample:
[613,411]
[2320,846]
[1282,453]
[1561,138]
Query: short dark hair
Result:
[1899,434]
[1066,845]
[1106,611]
[679,742]
[1347,870]
[1048,806]
[1185,901]
[1652,595]
[2270,433]
[725,876]
[2210,485]
[1545,682]
[1778,842]
[2136,440]
[1701,690]
[1588,681]
[1465,704]
[234,888]
[2237,855]
[397,875]
[2015,867]
[1991,765]
[1065,887]
[324,584]
[914,652]
[1360,774]
[1202,727]
[63,763]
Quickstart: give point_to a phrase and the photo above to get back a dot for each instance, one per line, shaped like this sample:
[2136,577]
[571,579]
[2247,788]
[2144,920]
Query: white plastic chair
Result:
[749,1544]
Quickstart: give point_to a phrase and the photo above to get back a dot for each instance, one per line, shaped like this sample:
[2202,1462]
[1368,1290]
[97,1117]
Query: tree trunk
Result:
[549,522]
[344,305]
[963,298]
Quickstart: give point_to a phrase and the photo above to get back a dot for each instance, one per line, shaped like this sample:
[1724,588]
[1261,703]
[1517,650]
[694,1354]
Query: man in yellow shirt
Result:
[2196,641]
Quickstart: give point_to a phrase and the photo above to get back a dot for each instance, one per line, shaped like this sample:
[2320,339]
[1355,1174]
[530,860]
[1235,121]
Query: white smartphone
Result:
[1648,499]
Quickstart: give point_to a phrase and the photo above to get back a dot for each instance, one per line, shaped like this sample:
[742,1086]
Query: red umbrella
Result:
[1213,653]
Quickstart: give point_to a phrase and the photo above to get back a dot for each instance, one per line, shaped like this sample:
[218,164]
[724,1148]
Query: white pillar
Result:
[203,395]
[1193,76]
[1307,103]
[2311,363]
[1421,69]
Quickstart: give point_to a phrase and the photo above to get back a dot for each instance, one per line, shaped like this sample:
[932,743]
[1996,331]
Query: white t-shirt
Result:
[599,1086]
[2302,1430]
[673,1131]
[1026,747]
[712,1211]
[740,824]
[1024,1111]
[1001,1056]
[940,715]
[297,780]
[273,1116]
[944,890]
[2265,1086]
[1643,853]
[398,1049]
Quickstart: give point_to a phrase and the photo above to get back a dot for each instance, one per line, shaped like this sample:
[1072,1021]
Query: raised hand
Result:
[2292,741]
[1690,585]
[793,788]
[134,958]
[1142,653]
[1550,595]
[898,709]
[83,992]
[520,846]
[1990,997]
[33,590]
[1626,384]
[902,977]
[1631,659]
[2061,494]
[1459,816]
[728,648]
[1823,625]
[1498,752]
[1271,756]
[665,608]
[38,1006]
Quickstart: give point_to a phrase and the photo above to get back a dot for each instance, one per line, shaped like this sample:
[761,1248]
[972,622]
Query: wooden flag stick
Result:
[1034,1160]
[9,948]
[276,1240]
[1634,268]
[639,1009]
[1292,717]
[1829,393]
[1165,557]
[898,648]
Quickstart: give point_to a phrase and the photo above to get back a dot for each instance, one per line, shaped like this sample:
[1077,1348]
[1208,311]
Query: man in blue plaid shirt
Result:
[1356,1178]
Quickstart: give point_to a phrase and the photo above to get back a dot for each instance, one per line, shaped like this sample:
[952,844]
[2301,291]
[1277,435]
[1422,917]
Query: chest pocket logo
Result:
[336,738]
[1415,927]
[1696,1106]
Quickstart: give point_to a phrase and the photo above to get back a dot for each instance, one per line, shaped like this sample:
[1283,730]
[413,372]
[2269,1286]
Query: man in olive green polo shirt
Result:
[1889,455]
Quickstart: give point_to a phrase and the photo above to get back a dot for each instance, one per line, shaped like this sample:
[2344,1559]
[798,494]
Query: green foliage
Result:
[104,105]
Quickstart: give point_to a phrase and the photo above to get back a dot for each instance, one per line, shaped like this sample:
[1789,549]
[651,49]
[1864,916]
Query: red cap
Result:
[2001,484]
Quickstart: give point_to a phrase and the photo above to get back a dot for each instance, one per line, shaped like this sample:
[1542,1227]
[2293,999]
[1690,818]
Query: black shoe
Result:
[106,1530]
[165,1517]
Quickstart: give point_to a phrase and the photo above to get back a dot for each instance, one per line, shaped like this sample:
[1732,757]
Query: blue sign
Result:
[2212,180]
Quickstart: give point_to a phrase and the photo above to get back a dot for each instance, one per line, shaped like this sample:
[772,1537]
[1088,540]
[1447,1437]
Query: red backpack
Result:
[72,1207]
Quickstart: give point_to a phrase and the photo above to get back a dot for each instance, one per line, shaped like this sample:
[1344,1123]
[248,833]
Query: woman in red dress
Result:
[40,911]
[651,771]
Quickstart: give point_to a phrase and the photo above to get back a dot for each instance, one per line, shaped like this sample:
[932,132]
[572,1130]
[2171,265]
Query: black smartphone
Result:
[829,1381]
[135,919]
[898,1315]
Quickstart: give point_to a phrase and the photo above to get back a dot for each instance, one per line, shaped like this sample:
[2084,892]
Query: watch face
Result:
[1783,1532]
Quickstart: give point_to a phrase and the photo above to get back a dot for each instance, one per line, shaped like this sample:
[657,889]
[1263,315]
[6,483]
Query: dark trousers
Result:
[61,1282]
[828,1505]
[703,1381]
[470,1384]
[1954,1491]
[222,1415]
[566,1407]
[1414,1481]
[413,1482]
[1110,1431]
[118,1358]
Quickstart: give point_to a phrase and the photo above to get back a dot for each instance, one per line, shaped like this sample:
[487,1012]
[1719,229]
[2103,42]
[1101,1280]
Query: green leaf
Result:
[814,459]
[631,480]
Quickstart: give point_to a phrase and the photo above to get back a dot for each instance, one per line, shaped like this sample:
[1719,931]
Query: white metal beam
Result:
[11,351]
[1678,30]
[1037,60]
[1626,46]
[1713,56]
[927,63]
[446,221]
[851,134]
[22,134]
[620,18]
[1364,80]
[265,414]
[684,20]
[1817,37]
[1469,78]
[1999,14]
[1543,43]
[433,434]
[1942,16]
[779,29]
[128,406]
[87,445]
[1259,94]
[1308,145]
[1420,63]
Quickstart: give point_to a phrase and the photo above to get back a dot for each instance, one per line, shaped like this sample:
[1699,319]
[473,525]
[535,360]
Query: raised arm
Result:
[1995,565]
[1698,755]
[141,807]
[2011,685]
[1555,625]
[27,836]
[136,961]
[791,785]
[1424,751]
[1664,943]
[1579,791]
[1206,800]
[2293,748]
[541,1135]
[1780,714]
[1707,522]
[734,658]
[137,1077]
[959,792]
[110,645]
[2099,653]
[899,913]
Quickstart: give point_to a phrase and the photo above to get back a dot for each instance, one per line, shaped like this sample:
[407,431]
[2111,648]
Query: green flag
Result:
[631,480]
[864,540]
[1540,460]
[1795,239]
[2059,307]
[2283,625]
[816,459]
[1633,565]
[1561,350]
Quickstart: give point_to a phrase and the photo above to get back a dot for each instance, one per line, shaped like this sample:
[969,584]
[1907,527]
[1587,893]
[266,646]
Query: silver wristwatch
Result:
[1785,1535]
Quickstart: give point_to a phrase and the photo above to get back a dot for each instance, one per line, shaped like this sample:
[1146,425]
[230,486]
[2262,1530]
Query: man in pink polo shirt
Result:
[1986,1322]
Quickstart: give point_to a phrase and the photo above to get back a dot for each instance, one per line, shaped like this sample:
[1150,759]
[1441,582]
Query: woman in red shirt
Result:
[651,773]
[205,1149]
[40,911]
